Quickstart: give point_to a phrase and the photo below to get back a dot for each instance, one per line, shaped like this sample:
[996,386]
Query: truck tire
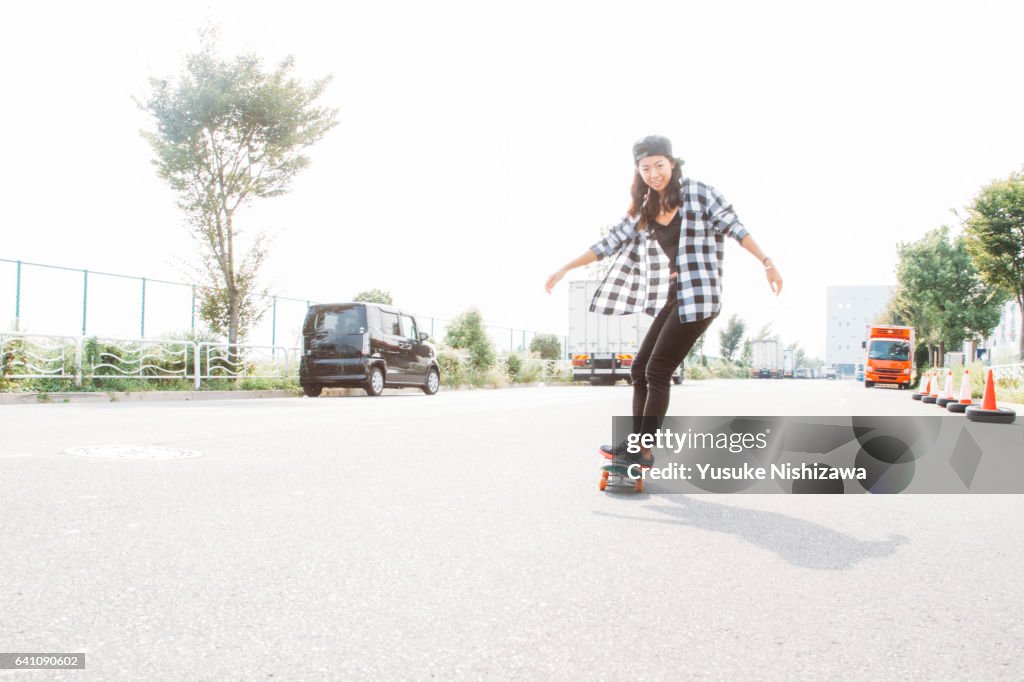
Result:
[868,384]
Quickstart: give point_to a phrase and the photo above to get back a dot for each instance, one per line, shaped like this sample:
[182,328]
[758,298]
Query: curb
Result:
[182,396]
[136,396]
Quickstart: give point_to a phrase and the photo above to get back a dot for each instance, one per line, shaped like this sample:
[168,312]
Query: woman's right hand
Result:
[553,280]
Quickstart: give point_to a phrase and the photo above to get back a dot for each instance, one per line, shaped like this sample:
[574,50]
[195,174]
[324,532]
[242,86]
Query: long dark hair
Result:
[644,200]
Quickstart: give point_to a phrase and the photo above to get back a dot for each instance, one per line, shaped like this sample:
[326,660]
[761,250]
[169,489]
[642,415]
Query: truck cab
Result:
[888,355]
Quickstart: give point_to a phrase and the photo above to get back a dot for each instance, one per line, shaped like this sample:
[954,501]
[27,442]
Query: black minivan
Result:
[365,345]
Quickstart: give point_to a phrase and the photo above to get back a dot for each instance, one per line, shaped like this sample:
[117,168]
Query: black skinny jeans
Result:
[667,342]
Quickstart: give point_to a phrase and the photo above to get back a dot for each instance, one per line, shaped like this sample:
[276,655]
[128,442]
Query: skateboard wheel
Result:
[603,484]
[604,475]
[639,485]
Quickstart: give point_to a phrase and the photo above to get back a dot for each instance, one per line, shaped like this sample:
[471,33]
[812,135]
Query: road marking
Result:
[138,452]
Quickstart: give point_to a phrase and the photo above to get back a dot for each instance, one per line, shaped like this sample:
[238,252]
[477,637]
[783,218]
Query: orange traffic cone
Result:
[989,411]
[933,394]
[965,395]
[946,396]
[927,387]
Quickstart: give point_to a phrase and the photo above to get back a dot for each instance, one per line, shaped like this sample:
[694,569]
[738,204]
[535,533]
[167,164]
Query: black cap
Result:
[652,145]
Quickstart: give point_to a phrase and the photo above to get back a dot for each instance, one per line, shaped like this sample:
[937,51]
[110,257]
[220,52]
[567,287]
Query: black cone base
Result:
[999,415]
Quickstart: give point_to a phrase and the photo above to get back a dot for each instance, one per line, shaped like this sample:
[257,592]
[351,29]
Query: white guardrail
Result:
[25,355]
[1008,373]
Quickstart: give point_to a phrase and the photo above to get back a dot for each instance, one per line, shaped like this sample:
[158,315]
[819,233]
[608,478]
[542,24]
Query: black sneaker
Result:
[613,451]
[621,456]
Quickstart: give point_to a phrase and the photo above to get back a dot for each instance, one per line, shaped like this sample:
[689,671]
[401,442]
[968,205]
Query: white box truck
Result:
[787,364]
[767,358]
[602,347]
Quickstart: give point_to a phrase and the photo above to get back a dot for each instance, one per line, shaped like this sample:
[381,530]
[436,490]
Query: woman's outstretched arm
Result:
[770,271]
[587,258]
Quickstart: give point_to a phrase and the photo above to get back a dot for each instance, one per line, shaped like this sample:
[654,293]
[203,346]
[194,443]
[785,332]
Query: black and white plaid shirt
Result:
[639,278]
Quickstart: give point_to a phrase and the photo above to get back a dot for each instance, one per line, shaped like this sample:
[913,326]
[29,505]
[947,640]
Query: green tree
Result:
[466,331]
[696,354]
[994,232]
[548,346]
[940,294]
[374,296]
[730,338]
[799,355]
[227,132]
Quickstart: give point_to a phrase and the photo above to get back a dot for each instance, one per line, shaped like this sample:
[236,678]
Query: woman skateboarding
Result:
[670,247]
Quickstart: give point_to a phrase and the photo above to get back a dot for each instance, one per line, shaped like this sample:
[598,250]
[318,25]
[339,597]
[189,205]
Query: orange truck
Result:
[888,355]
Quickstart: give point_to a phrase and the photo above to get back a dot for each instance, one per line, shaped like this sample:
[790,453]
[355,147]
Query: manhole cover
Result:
[133,452]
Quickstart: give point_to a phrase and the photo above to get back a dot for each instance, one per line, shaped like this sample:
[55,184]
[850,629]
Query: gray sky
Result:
[498,139]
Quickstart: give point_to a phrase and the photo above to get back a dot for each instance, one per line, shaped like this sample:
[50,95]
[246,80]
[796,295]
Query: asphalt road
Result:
[463,535]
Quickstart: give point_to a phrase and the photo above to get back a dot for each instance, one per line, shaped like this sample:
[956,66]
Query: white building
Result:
[1002,345]
[848,312]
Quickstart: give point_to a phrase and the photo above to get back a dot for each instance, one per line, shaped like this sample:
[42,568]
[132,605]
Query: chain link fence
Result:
[55,300]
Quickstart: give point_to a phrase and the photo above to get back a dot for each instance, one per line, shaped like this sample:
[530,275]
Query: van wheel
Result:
[375,384]
[868,384]
[433,382]
[677,380]
[312,390]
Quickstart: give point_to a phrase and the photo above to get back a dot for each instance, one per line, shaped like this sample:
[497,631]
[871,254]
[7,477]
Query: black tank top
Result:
[668,238]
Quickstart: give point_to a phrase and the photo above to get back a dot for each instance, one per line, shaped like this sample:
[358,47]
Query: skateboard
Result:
[616,477]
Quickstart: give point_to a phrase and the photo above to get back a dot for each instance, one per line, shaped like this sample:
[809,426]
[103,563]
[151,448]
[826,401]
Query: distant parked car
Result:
[831,373]
[803,373]
[859,372]
[365,345]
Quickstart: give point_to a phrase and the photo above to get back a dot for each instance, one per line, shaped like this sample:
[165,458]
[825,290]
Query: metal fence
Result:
[1009,374]
[77,358]
[59,301]
[42,356]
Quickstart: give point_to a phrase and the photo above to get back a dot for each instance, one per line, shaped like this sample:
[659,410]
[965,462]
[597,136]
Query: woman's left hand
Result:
[774,279]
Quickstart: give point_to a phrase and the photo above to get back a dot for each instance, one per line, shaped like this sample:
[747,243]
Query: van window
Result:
[390,324]
[408,327]
[340,320]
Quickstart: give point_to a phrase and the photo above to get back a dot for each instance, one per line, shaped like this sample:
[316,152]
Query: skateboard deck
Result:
[616,477]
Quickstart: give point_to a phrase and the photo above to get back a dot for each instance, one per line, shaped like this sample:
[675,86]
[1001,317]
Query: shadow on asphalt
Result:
[797,541]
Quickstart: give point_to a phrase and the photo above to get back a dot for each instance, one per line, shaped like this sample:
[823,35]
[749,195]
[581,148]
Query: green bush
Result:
[697,372]
[453,366]
[467,332]
[546,346]
[531,371]
[513,365]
